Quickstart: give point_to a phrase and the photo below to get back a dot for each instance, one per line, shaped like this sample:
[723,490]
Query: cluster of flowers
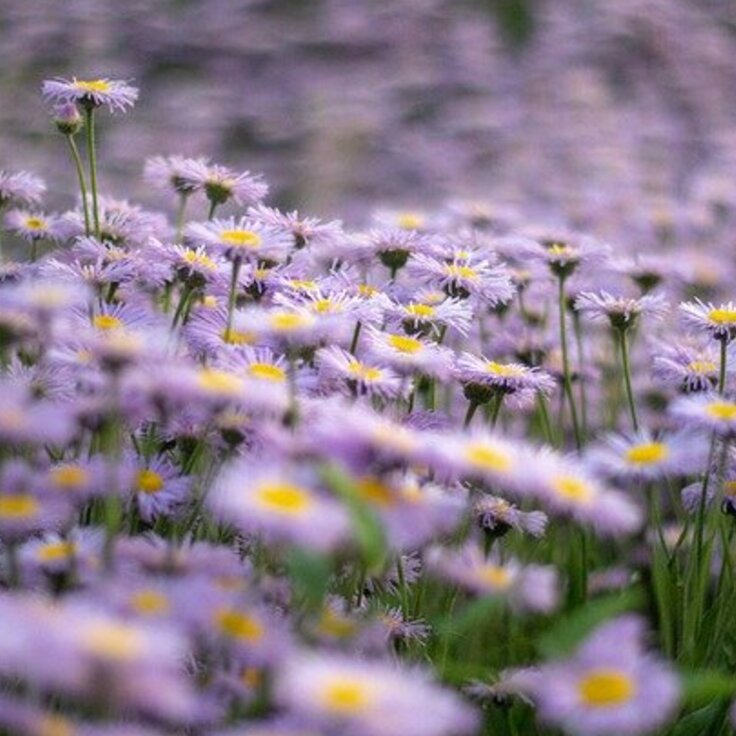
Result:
[264,471]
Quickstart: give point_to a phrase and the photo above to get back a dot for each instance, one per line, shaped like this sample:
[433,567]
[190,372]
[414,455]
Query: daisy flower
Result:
[159,489]
[427,317]
[522,383]
[221,184]
[719,322]
[20,189]
[495,516]
[240,238]
[622,312]
[31,226]
[170,173]
[275,502]
[567,489]
[687,367]
[306,231]
[644,457]
[525,588]
[408,354]
[484,280]
[394,246]
[359,377]
[610,686]
[369,698]
[114,94]
[708,412]
[564,252]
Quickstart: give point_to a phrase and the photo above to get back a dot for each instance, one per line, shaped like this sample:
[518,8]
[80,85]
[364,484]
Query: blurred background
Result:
[616,114]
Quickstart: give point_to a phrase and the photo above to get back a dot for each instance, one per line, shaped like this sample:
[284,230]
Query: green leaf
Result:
[569,631]
[310,573]
[702,722]
[702,687]
[368,530]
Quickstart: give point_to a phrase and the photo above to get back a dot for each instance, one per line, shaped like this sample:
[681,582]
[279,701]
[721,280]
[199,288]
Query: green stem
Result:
[213,207]
[186,293]
[567,380]
[624,346]
[544,413]
[495,410]
[722,370]
[356,337]
[82,181]
[180,213]
[581,365]
[470,413]
[89,114]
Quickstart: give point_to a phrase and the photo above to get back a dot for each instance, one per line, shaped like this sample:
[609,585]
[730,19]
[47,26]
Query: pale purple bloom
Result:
[717,321]
[221,184]
[610,686]
[622,312]
[20,189]
[114,94]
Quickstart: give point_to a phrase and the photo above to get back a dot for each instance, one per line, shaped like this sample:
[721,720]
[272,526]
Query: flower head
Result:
[114,94]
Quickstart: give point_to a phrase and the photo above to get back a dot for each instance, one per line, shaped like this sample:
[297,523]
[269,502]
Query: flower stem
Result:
[356,337]
[566,378]
[89,114]
[722,369]
[624,347]
[180,212]
[213,207]
[495,410]
[82,181]
[470,413]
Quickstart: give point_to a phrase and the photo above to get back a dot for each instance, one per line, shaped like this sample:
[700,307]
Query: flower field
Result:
[444,470]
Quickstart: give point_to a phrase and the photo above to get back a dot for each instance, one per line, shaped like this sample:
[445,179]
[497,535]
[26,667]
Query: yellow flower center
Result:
[323,306]
[302,284]
[461,272]
[364,372]
[284,498]
[149,602]
[558,250]
[722,316]
[288,321]
[371,489]
[235,337]
[648,453]
[53,725]
[367,290]
[241,238]
[488,458]
[495,576]
[267,372]
[114,641]
[199,259]
[605,688]
[702,366]
[346,696]
[100,86]
[239,625]
[219,382]
[723,410]
[106,322]
[68,476]
[149,481]
[16,506]
[404,344]
[56,551]
[504,371]
[410,221]
[251,677]
[572,489]
[333,624]
[35,223]
[209,302]
[420,310]
[729,488]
